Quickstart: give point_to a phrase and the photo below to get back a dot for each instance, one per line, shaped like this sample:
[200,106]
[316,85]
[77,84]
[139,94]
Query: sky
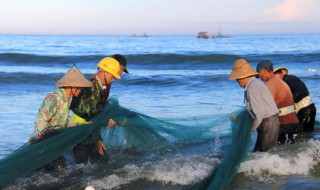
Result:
[159,17]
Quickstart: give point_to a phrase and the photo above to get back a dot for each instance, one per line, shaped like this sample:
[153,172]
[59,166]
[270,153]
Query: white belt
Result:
[286,110]
[306,101]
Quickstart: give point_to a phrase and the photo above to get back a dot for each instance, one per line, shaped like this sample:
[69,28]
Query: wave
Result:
[49,60]
[28,78]
[167,78]
[152,79]
[147,69]
[178,170]
[264,166]
[159,61]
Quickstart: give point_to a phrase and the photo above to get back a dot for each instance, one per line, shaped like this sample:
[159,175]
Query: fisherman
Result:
[91,101]
[54,111]
[304,106]
[260,104]
[282,95]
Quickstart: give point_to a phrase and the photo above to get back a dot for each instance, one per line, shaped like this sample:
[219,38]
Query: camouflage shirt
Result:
[90,101]
[54,111]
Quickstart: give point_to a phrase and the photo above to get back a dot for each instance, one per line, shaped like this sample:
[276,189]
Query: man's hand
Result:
[101,147]
[111,123]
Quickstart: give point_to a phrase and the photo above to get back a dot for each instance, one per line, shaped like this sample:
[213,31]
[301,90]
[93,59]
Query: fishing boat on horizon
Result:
[205,35]
[134,35]
[220,35]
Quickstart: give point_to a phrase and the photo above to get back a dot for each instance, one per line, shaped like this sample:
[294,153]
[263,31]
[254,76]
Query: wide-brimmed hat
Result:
[122,60]
[241,69]
[73,78]
[283,70]
[111,66]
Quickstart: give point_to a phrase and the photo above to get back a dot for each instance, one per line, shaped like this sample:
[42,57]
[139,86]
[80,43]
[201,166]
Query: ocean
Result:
[178,79]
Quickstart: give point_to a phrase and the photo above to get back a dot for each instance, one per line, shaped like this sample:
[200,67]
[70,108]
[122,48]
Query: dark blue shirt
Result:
[298,88]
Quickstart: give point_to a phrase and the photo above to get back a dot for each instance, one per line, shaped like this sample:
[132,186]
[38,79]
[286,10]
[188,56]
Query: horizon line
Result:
[150,34]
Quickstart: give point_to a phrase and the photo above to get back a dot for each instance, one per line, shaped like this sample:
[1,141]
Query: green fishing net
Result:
[135,132]
[221,177]
[35,155]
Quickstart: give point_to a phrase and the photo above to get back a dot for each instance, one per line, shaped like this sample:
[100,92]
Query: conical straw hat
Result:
[73,78]
[241,69]
[283,70]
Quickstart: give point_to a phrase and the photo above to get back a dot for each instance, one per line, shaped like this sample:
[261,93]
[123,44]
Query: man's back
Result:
[283,98]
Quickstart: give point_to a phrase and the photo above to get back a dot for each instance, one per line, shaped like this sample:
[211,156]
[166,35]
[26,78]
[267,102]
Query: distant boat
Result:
[137,35]
[220,35]
[205,35]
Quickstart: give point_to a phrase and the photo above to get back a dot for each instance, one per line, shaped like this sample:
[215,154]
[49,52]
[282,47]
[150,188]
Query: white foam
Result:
[263,165]
[178,170]
[182,170]
[312,70]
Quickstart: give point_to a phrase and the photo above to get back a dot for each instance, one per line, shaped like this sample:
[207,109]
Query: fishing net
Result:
[35,155]
[221,177]
[135,132]
[143,133]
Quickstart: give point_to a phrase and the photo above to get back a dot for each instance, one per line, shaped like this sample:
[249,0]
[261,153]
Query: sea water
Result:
[173,78]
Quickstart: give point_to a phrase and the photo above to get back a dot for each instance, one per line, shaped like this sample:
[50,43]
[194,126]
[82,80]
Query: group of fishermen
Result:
[281,107]
[86,99]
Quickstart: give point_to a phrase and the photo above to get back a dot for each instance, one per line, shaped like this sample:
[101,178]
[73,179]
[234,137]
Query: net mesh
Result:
[136,132]
[221,177]
[35,155]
